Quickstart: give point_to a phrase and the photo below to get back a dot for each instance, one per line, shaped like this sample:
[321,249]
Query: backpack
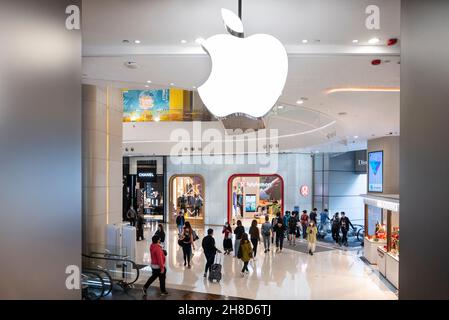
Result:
[292,223]
[265,231]
[178,220]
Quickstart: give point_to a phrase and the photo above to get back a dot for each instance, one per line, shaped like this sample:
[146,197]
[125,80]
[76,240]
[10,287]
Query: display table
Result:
[382,260]
[392,269]
[370,249]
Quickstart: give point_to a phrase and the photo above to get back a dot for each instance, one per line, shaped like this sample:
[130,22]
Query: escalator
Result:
[103,272]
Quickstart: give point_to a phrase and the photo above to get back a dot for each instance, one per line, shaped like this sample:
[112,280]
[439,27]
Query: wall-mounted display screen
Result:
[250,203]
[375,171]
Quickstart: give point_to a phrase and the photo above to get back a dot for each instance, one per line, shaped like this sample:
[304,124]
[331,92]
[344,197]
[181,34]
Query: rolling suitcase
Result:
[215,270]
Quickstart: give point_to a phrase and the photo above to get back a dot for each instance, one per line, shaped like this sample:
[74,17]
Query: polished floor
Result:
[292,274]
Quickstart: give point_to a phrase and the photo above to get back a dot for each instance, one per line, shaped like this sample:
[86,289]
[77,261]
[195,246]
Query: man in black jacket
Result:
[209,249]
[344,226]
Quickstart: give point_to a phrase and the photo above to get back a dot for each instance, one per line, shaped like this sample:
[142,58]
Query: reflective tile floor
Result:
[292,274]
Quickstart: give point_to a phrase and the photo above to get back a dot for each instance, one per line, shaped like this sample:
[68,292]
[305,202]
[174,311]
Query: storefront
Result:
[381,245]
[254,196]
[186,194]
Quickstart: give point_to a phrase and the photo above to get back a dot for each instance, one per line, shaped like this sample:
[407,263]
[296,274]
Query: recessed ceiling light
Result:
[148,81]
[172,84]
[137,41]
[125,41]
[194,87]
[157,119]
[300,101]
[199,40]
[355,41]
[183,41]
[147,86]
[373,40]
[356,137]
[342,113]
[305,41]
[280,107]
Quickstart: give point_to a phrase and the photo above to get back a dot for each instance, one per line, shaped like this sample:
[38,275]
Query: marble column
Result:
[102,161]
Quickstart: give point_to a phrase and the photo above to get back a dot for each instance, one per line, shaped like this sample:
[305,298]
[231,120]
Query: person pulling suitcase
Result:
[210,250]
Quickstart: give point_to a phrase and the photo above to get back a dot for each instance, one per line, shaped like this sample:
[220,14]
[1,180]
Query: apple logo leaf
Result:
[232,23]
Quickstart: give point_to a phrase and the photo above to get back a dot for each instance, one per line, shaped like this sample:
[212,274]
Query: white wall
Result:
[295,169]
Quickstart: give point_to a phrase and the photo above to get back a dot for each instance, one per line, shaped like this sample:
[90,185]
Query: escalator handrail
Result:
[93,270]
[101,280]
[116,259]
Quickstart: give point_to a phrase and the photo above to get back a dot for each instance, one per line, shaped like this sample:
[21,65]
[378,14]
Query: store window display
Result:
[254,196]
[187,197]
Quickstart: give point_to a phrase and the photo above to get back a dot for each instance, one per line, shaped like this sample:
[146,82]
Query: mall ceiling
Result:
[329,59]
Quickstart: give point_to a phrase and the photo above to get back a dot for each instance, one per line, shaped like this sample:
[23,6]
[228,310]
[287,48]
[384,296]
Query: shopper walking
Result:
[245,253]
[210,250]
[180,221]
[279,228]
[311,237]
[344,226]
[336,228]
[131,215]
[227,238]
[140,226]
[292,230]
[254,236]
[304,223]
[266,234]
[273,223]
[239,231]
[157,266]
[324,218]
[161,234]
[186,242]
[313,215]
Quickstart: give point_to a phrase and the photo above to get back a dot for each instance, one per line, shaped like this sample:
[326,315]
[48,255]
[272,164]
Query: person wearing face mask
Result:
[227,238]
[311,237]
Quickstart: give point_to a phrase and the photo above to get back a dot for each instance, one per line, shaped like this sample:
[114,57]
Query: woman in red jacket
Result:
[157,265]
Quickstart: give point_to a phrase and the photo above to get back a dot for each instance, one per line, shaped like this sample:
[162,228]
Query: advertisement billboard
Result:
[375,171]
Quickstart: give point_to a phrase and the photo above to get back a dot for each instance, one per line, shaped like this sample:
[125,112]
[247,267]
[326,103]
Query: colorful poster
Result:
[375,171]
[250,203]
[145,105]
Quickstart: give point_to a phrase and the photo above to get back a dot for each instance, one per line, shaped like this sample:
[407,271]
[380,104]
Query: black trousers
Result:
[255,242]
[210,258]
[279,240]
[336,234]
[140,234]
[157,274]
[245,266]
[187,251]
[345,236]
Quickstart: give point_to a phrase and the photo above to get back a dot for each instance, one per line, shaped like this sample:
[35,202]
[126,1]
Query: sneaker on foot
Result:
[242,274]
[311,253]
[185,263]
[165,293]
[189,266]
[205,275]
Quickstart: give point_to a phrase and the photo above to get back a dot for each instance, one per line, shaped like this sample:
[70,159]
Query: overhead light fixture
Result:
[183,41]
[136,41]
[373,40]
[194,87]
[157,119]
[172,84]
[305,41]
[148,81]
[355,41]
[147,86]
[363,89]
[199,40]
[356,137]
[253,68]
[280,107]
[300,101]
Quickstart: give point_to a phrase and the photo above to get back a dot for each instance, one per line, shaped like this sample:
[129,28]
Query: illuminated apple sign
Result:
[247,74]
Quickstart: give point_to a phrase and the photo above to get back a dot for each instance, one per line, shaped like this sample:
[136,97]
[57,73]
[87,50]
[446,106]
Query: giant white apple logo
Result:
[247,75]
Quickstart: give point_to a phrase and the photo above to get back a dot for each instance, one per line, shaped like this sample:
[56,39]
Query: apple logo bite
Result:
[247,74]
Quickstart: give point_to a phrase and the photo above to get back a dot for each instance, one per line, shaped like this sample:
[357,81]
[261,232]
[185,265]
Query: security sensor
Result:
[131,64]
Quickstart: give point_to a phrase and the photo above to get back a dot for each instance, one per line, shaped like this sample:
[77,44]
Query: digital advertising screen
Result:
[375,171]
[144,105]
[250,203]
